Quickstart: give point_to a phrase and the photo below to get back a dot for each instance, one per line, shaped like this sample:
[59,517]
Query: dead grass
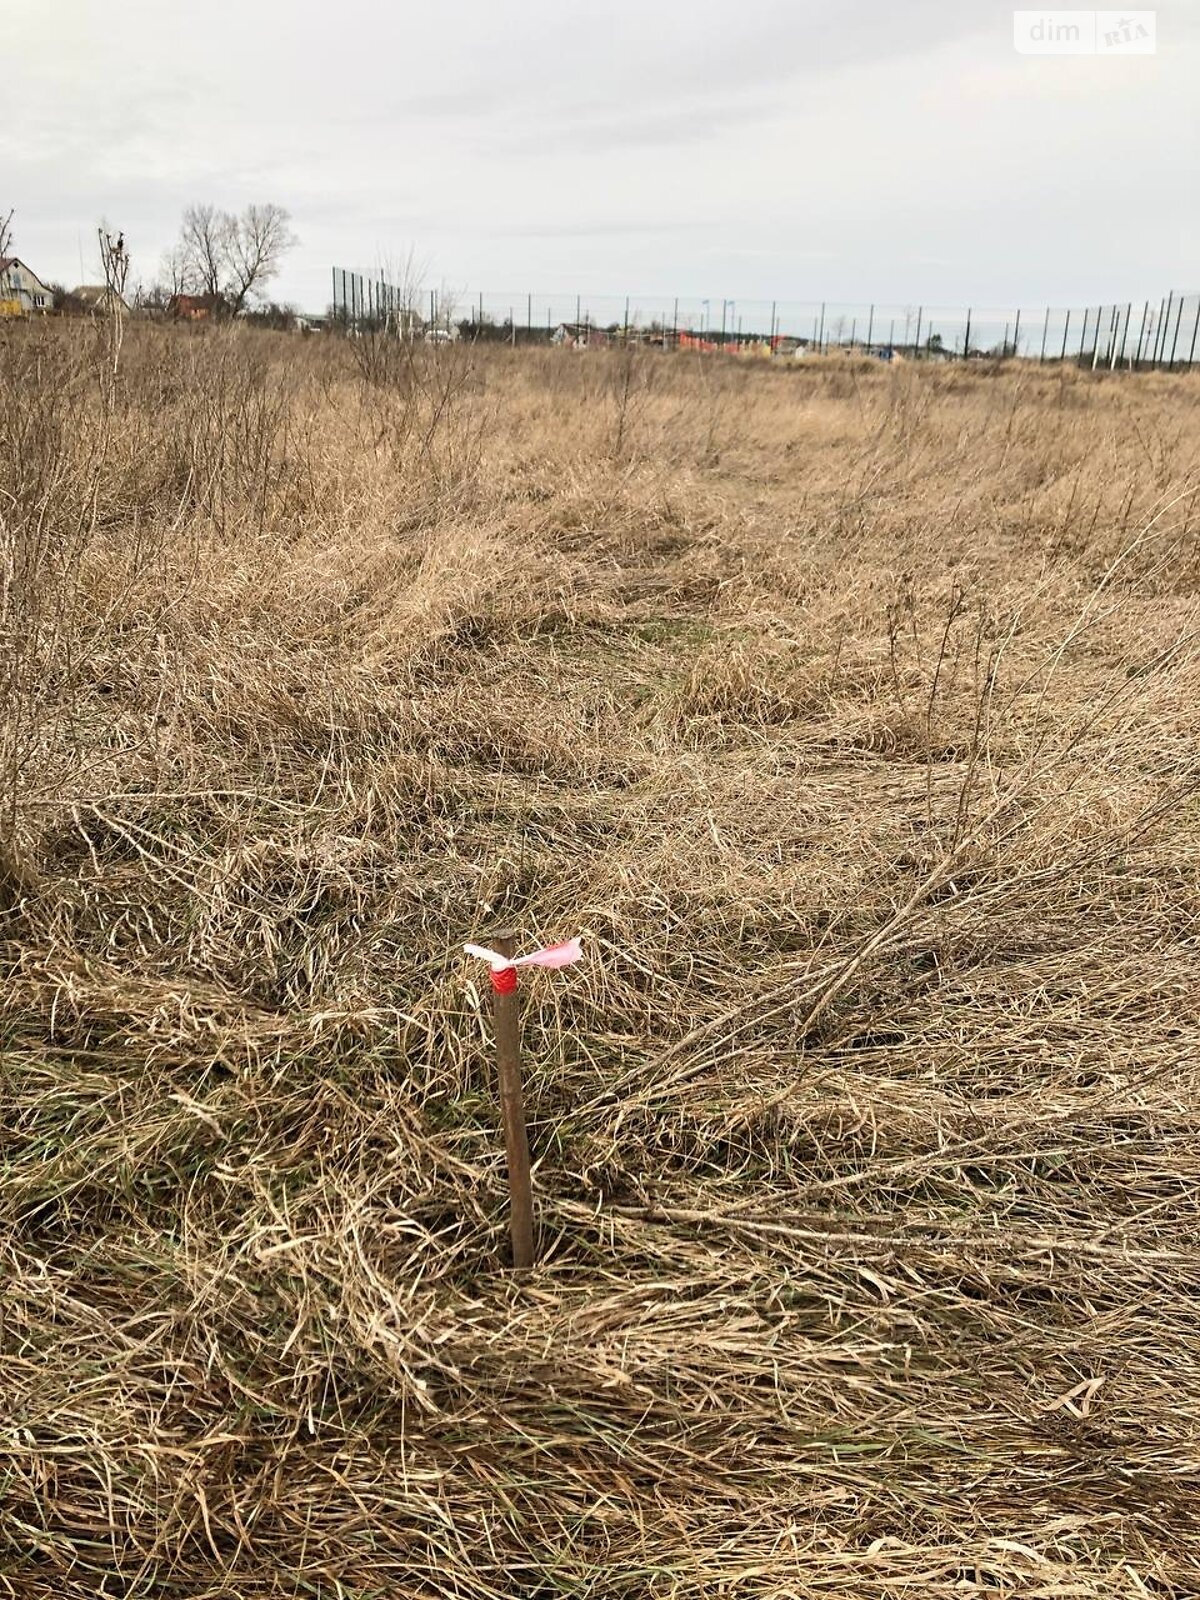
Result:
[852,715]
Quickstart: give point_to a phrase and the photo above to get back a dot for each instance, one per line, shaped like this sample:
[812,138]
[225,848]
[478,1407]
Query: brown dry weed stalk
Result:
[852,713]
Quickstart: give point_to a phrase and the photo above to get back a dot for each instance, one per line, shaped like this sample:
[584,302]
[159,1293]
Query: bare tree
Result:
[255,246]
[174,275]
[6,232]
[234,257]
[203,247]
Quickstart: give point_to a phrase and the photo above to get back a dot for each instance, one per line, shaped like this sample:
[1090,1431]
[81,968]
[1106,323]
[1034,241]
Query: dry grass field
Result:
[851,715]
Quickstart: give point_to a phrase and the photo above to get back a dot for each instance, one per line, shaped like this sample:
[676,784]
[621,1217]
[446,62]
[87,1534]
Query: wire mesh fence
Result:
[1134,334]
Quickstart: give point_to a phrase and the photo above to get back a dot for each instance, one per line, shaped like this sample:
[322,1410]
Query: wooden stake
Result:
[512,1107]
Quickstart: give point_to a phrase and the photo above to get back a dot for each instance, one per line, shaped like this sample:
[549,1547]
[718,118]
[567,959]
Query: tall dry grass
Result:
[851,713]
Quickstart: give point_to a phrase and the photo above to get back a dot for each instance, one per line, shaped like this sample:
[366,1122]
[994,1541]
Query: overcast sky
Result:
[847,150]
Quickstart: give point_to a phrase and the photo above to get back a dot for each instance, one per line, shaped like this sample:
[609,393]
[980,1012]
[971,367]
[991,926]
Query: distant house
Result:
[578,335]
[97,299]
[197,307]
[22,292]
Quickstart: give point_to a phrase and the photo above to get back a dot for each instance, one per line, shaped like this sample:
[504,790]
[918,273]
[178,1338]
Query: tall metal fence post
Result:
[1120,356]
[1017,334]
[870,327]
[1175,340]
[1195,331]
[1045,334]
[1066,330]
[1160,353]
[1141,335]
[967,336]
[1160,328]
[917,340]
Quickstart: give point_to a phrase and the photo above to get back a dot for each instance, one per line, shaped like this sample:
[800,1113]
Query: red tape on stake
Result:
[504,968]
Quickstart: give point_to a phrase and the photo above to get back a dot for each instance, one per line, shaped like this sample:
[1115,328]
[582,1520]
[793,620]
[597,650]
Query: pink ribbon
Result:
[551,955]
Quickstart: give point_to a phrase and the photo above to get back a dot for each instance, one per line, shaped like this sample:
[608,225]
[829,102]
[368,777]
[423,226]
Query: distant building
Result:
[578,335]
[97,299]
[197,307]
[22,292]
